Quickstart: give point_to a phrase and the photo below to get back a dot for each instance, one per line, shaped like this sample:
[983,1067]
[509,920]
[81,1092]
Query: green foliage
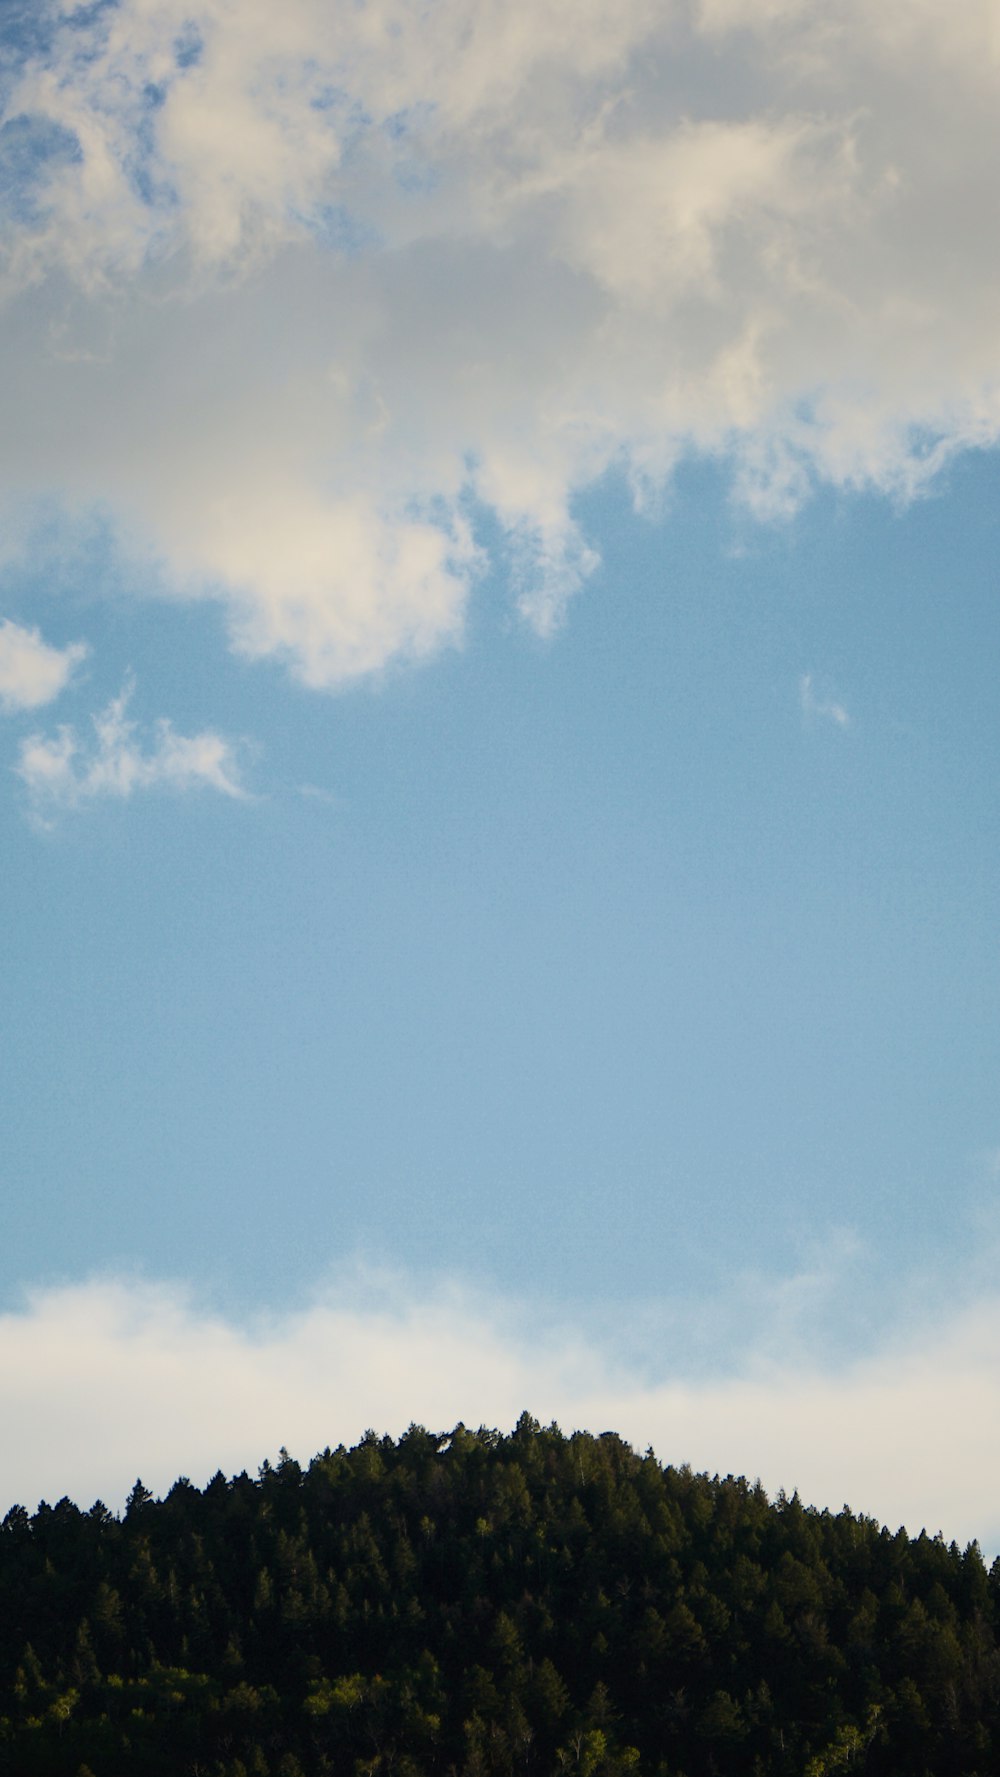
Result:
[478,1605]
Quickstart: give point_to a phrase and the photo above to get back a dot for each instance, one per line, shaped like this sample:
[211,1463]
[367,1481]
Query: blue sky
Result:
[600,965]
[498,714]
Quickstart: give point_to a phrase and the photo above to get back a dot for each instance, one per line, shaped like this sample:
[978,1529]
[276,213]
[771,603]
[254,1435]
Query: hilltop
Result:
[478,1603]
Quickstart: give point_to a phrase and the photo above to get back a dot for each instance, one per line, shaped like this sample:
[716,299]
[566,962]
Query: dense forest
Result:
[476,1604]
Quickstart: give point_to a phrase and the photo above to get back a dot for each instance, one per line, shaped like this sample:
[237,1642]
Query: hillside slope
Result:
[478,1604]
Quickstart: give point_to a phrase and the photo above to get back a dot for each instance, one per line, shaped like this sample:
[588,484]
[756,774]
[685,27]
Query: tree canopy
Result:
[485,1605]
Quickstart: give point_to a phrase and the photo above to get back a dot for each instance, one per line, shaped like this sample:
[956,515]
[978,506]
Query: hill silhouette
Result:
[477,1603]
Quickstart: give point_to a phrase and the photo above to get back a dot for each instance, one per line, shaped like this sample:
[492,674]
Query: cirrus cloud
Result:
[816,705]
[61,771]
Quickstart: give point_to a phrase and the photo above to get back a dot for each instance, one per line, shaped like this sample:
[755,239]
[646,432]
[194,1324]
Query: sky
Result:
[498,736]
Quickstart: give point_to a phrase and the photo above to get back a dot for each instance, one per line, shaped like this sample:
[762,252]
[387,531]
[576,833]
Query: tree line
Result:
[476,1604]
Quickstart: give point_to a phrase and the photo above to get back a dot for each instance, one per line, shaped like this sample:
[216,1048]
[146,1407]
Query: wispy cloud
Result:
[818,706]
[496,250]
[32,672]
[62,770]
[124,1378]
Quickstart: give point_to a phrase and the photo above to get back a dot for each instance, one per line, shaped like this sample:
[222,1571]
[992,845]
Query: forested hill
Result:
[480,1603]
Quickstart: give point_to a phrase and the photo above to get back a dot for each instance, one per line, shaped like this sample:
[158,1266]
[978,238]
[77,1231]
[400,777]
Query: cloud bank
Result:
[105,1380]
[294,295]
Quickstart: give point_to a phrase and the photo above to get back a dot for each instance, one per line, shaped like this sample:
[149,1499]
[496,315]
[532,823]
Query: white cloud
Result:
[317,278]
[113,1379]
[31,671]
[61,771]
[815,704]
